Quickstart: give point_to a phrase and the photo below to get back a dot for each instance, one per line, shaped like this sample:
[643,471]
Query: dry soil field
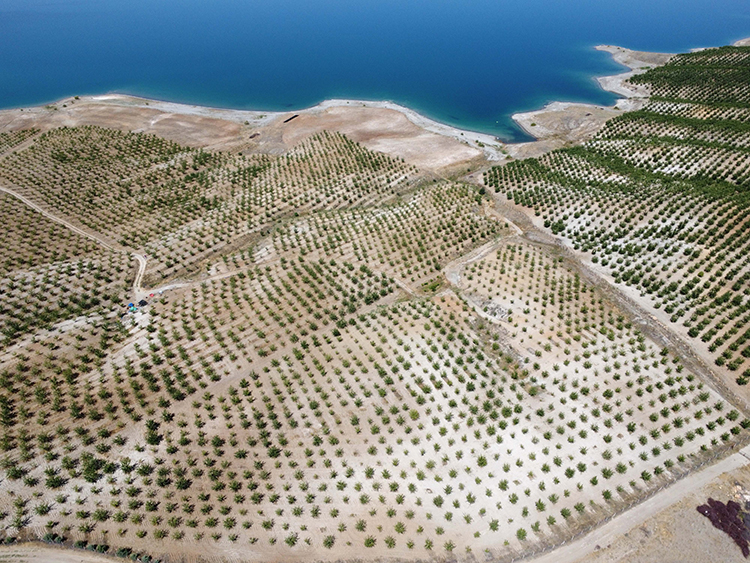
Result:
[299,340]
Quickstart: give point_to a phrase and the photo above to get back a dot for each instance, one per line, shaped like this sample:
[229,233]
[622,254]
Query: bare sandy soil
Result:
[124,113]
[637,62]
[559,124]
[384,130]
[679,533]
[657,529]
[383,127]
[39,553]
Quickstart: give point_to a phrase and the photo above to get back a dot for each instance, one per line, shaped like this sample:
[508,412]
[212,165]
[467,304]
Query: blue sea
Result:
[468,63]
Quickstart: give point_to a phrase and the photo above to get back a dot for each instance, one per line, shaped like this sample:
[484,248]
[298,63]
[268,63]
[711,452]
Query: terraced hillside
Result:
[343,357]
[658,201]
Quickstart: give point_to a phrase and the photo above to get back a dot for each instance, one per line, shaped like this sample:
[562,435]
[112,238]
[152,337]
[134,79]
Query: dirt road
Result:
[40,553]
[454,270]
[137,291]
[56,219]
[615,528]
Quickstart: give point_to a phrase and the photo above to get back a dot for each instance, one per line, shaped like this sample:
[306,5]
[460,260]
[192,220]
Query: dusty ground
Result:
[39,553]
[635,59]
[637,62]
[383,130]
[679,533]
[559,124]
[125,114]
[382,127]
[666,528]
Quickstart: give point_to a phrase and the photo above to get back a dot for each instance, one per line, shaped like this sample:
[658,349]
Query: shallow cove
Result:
[470,65]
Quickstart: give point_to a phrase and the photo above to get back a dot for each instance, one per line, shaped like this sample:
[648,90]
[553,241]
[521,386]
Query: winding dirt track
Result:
[92,236]
[56,219]
[139,275]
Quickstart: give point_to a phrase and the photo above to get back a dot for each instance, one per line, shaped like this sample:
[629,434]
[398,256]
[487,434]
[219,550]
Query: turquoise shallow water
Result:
[469,63]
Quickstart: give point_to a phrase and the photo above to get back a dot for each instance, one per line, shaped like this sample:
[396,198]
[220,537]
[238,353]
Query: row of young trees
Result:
[674,176]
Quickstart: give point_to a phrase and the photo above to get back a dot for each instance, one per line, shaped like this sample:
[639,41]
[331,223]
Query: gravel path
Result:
[615,528]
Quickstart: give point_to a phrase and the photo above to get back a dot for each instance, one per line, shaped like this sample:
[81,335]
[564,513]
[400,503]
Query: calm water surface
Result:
[469,63]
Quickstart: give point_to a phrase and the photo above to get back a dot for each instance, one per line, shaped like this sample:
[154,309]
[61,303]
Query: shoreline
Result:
[493,145]
[560,124]
[555,125]
[566,122]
